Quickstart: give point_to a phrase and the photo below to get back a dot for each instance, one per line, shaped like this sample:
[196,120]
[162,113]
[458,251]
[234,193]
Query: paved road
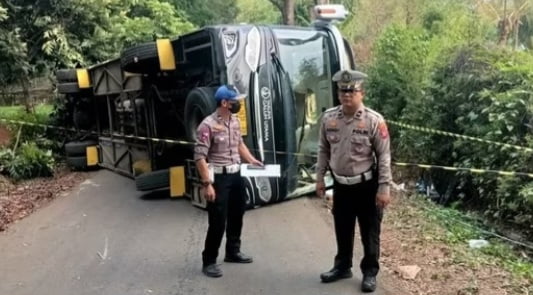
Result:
[106,238]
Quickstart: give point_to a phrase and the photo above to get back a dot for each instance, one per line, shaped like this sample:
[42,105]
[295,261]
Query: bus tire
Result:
[77,163]
[68,88]
[199,104]
[82,119]
[140,59]
[78,148]
[152,180]
[249,193]
[66,75]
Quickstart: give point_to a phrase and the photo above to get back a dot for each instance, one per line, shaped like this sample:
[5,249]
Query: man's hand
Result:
[209,193]
[256,162]
[320,189]
[383,200]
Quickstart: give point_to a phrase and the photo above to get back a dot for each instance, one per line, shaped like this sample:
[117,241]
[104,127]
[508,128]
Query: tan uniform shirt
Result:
[218,141]
[347,145]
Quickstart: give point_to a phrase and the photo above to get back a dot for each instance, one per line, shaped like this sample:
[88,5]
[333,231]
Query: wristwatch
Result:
[205,182]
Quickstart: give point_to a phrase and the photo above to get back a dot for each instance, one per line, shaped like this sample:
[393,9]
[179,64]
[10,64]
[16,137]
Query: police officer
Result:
[220,144]
[354,146]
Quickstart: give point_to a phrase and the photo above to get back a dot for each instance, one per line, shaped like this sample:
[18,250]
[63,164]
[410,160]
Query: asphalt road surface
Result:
[106,238]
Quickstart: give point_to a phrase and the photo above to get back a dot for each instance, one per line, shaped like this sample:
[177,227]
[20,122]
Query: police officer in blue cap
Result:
[218,151]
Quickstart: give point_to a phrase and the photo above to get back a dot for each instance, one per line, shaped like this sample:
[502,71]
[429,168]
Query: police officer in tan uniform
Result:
[220,144]
[354,147]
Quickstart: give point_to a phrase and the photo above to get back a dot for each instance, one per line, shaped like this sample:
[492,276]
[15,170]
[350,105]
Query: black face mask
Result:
[235,107]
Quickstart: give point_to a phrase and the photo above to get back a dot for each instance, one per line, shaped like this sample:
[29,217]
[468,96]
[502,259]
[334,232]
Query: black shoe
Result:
[369,284]
[335,274]
[212,270]
[238,257]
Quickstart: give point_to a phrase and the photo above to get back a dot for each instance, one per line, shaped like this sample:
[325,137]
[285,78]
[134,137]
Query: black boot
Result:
[369,284]
[212,270]
[238,257]
[335,274]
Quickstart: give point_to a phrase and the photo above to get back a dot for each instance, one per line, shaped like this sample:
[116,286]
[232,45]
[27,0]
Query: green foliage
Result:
[134,23]
[257,12]
[38,37]
[461,227]
[492,94]
[400,71]
[28,162]
[208,12]
[13,53]
[439,76]
[27,133]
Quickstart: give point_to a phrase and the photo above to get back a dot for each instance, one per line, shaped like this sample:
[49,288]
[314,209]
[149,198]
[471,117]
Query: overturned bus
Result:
[141,110]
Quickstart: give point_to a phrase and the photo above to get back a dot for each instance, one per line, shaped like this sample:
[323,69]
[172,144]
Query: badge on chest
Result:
[332,125]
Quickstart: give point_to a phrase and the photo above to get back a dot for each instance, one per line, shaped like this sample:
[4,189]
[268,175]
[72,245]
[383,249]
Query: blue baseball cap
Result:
[228,92]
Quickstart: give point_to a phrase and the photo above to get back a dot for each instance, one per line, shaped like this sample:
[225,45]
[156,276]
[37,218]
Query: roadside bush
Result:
[488,94]
[27,132]
[466,89]
[30,161]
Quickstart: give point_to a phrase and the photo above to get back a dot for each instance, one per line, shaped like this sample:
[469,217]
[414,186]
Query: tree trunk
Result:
[516,29]
[26,100]
[504,28]
[288,12]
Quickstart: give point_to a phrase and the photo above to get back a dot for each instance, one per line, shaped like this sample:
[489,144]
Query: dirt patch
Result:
[5,136]
[21,199]
[409,238]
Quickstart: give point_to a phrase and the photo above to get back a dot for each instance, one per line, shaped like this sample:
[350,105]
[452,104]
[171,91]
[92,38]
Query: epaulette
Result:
[329,113]
[374,113]
[332,109]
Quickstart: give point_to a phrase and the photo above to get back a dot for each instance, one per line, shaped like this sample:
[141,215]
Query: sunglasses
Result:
[350,90]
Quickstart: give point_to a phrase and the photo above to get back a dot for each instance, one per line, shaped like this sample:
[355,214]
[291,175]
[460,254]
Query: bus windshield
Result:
[305,54]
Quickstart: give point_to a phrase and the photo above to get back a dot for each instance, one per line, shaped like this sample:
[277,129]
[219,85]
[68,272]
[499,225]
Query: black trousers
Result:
[351,203]
[225,214]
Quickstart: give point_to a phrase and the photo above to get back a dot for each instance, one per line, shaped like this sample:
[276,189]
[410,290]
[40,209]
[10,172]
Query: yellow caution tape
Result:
[445,133]
[173,141]
[92,132]
[472,170]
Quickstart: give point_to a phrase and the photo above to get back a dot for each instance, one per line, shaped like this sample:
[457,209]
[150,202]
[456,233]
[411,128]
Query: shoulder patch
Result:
[203,133]
[383,130]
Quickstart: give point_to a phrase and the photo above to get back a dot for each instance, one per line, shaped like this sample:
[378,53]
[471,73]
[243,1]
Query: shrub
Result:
[29,161]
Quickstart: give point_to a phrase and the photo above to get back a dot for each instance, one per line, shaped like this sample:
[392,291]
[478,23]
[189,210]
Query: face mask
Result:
[235,107]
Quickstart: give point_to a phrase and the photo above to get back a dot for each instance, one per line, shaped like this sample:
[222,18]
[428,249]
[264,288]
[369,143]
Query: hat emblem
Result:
[346,77]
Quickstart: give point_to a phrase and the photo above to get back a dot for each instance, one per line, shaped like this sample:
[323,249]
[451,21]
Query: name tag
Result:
[218,128]
[360,131]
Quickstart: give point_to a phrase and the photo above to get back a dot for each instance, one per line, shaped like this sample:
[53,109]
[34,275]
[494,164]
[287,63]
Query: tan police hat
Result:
[349,78]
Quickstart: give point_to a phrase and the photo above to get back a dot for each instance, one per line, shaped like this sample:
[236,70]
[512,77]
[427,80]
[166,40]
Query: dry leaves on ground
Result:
[408,238]
[19,200]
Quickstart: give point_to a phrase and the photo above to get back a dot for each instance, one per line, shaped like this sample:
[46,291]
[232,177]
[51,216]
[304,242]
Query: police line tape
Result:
[45,126]
[471,170]
[173,141]
[445,133]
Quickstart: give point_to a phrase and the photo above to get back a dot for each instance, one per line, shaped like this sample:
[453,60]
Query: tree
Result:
[257,12]
[13,56]
[286,7]
[508,15]
[208,12]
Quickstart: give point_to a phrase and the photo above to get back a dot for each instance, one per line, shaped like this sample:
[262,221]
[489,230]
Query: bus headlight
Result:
[253,46]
